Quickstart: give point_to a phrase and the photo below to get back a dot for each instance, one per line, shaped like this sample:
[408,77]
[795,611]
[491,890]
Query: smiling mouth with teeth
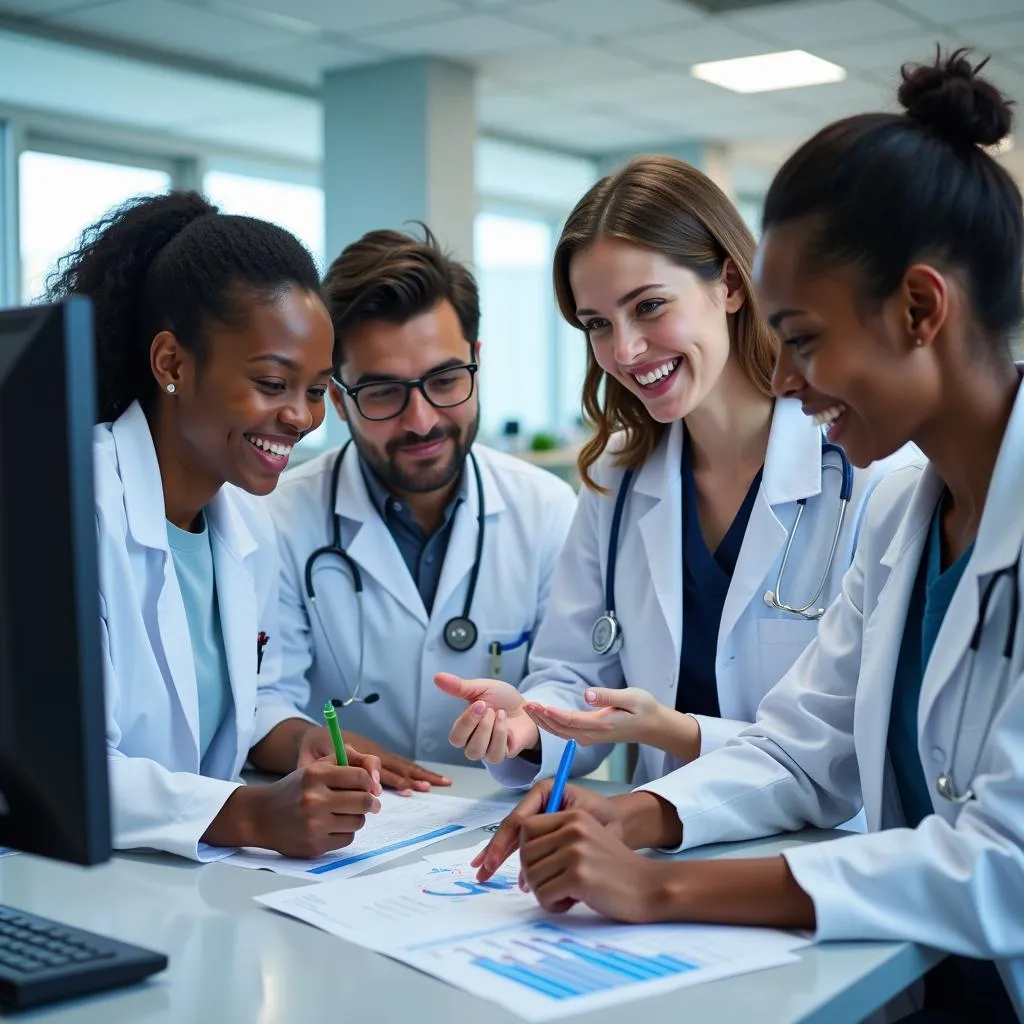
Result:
[645,380]
[827,417]
[282,451]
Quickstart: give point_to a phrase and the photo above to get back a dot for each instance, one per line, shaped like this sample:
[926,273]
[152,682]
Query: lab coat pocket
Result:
[780,643]
[504,653]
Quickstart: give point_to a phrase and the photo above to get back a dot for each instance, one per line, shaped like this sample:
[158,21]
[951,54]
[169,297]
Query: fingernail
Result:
[421,786]
[479,707]
[376,806]
[590,696]
[501,716]
[445,780]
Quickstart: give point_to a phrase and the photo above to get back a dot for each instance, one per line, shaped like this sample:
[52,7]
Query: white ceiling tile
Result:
[468,36]
[713,40]
[885,57]
[353,16]
[560,65]
[1001,36]
[170,26]
[590,19]
[653,88]
[589,133]
[302,63]
[957,12]
[499,109]
[840,99]
[802,25]
[41,8]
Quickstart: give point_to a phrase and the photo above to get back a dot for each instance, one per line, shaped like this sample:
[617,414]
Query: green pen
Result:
[331,718]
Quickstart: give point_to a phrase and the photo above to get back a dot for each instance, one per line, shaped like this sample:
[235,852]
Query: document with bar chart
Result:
[493,940]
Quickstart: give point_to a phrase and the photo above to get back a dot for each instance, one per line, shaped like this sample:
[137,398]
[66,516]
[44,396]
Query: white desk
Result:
[234,962]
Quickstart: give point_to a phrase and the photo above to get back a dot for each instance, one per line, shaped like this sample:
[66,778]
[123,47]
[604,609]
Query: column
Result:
[399,140]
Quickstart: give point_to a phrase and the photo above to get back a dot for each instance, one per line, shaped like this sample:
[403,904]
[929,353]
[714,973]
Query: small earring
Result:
[918,342]
[170,389]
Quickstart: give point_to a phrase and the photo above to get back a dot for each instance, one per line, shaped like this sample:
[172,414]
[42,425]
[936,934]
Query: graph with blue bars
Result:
[552,962]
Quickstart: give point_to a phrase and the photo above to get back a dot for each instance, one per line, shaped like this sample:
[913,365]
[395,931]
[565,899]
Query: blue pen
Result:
[561,778]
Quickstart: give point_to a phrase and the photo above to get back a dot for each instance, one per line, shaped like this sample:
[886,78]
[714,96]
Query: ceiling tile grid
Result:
[585,75]
[584,20]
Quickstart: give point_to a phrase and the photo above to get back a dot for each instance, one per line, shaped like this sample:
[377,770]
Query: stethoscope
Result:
[773,598]
[606,636]
[460,632]
[945,784]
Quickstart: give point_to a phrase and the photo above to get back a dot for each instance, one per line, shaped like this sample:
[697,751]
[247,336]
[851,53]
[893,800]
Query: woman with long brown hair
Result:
[670,619]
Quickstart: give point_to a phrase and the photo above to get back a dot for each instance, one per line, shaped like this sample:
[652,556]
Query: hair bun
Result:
[950,99]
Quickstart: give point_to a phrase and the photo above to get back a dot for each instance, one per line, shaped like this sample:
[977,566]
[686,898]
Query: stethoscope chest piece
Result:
[946,788]
[606,636]
[460,633]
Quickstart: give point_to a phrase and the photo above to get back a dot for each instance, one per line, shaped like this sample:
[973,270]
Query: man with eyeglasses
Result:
[411,550]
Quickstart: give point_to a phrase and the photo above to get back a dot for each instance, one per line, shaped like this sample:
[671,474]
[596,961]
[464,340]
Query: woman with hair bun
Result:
[891,268]
[213,354]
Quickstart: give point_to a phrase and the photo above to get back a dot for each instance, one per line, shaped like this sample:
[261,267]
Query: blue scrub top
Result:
[706,579]
[933,590]
[962,989]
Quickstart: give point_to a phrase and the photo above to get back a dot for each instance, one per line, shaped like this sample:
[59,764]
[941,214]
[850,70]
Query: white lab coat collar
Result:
[792,463]
[374,550]
[140,475]
[792,466]
[1001,530]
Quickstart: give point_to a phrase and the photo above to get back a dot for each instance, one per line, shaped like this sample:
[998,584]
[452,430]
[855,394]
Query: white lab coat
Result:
[160,800]
[756,643]
[528,511]
[818,747]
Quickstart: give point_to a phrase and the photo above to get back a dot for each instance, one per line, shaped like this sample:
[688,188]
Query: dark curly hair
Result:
[172,262]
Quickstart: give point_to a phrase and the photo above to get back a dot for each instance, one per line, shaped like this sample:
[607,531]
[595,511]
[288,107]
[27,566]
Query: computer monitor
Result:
[54,795]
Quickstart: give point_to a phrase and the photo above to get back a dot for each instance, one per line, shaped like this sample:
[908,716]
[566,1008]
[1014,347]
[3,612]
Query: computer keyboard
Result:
[42,961]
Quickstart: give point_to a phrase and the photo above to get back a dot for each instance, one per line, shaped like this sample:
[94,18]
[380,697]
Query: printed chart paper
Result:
[404,824]
[492,940]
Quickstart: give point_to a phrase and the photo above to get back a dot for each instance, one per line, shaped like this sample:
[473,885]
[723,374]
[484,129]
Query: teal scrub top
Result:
[193,565]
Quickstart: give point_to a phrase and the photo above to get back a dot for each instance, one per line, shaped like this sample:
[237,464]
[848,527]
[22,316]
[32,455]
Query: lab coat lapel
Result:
[233,547]
[998,546]
[659,484]
[461,554]
[792,470]
[372,547]
[883,638]
[147,525]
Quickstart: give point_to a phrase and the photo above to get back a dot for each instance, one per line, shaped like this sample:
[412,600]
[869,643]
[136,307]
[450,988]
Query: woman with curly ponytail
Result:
[213,354]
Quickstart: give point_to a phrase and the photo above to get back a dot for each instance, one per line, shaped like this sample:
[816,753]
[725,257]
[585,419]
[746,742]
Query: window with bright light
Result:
[513,267]
[59,197]
[298,208]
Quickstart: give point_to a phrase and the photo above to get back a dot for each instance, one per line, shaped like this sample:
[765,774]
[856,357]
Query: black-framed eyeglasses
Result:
[386,399]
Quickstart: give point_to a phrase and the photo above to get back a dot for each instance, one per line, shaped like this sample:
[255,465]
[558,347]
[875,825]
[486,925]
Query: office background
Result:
[485,118]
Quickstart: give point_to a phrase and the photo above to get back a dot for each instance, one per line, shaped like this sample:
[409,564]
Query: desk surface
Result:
[235,962]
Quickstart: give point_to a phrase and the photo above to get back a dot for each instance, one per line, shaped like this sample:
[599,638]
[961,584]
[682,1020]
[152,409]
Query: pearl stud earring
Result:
[170,389]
